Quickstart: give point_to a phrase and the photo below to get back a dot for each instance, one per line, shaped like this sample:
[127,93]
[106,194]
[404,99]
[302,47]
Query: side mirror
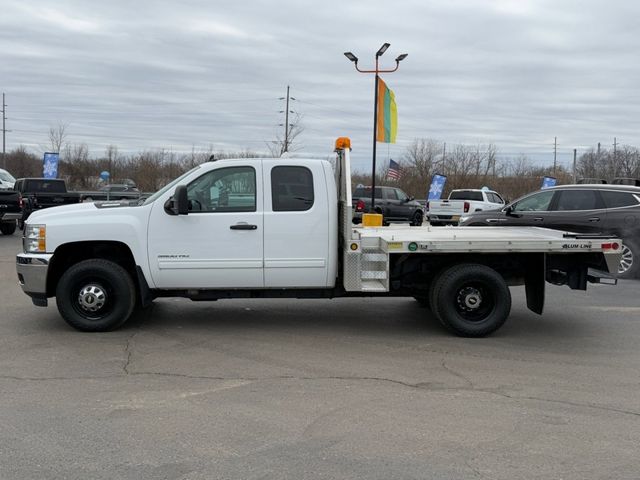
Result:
[410,199]
[179,203]
[508,210]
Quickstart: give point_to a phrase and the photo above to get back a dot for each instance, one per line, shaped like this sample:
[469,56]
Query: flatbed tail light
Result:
[610,246]
[360,206]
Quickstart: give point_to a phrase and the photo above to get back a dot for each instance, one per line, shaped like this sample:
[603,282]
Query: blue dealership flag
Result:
[50,165]
[437,186]
[548,182]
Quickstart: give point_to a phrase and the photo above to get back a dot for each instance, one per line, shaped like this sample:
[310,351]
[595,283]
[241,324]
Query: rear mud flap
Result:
[535,282]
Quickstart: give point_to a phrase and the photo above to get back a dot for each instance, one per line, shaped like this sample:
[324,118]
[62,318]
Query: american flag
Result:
[395,172]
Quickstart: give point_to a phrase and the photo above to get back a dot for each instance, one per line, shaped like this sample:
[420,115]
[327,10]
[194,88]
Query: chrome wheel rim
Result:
[626,262]
[92,298]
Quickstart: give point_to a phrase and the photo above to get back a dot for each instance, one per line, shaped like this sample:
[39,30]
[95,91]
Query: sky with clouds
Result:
[190,74]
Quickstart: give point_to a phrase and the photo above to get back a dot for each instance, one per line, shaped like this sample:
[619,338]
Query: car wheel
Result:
[8,228]
[471,300]
[417,219]
[96,295]
[630,262]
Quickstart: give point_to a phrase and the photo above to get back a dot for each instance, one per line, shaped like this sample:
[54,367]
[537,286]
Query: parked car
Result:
[598,208]
[449,211]
[6,180]
[10,211]
[391,202]
[40,193]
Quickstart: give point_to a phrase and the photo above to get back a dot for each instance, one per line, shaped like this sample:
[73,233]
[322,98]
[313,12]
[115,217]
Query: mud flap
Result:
[535,282]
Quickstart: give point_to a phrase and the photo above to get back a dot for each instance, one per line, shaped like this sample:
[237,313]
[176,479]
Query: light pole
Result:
[354,59]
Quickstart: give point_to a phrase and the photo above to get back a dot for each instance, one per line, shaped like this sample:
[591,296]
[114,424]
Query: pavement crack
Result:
[457,374]
[128,352]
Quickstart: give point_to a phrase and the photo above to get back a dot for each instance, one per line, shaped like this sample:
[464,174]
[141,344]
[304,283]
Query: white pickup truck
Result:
[449,211]
[258,228]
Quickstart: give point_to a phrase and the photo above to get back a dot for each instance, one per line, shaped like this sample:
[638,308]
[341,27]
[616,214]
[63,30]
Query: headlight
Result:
[35,239]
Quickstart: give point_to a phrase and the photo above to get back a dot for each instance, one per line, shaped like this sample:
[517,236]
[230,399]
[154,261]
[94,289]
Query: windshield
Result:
[168,186]
[6,176]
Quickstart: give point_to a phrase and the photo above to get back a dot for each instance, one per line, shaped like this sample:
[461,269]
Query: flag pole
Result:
[375,128]
[354,59]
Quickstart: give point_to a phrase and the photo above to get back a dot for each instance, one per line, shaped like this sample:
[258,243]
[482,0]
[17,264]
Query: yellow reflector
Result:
[342,143]
[41,232]
[354,246]
[371,220]
[42,245]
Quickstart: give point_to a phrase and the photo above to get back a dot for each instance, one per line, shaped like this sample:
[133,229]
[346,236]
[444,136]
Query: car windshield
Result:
[168,186]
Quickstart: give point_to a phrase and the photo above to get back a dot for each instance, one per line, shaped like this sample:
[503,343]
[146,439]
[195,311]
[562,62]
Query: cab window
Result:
[577,200]
[534,203]
[291,189]
[619,199]
[231,189]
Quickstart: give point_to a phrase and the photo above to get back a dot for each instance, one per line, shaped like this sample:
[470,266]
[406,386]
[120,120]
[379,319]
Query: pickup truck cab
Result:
[460,202]
[41,193]
[259,228]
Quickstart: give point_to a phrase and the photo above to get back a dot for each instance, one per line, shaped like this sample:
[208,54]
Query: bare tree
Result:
[280,145]
[58,137]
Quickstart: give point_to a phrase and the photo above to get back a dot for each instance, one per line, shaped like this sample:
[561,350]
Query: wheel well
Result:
[415,271]
[69,254]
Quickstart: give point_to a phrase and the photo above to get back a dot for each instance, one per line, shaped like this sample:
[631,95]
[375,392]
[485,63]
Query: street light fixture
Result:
[382,49]
[354,59]
[351,57]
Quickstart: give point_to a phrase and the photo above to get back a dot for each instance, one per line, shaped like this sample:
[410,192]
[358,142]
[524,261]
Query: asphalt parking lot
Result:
[292,389]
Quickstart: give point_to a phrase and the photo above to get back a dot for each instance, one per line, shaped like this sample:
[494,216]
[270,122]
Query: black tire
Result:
[85,285]
[8,228]
[630,263]
[417,219]
[471,300]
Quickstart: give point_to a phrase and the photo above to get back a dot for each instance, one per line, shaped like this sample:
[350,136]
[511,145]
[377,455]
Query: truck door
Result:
[218,244]
[296,224]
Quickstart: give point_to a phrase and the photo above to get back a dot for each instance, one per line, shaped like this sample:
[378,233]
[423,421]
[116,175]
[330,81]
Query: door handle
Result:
[594,219]
[243,226]
[538,219]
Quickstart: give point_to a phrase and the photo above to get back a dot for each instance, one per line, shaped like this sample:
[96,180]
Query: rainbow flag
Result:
[387,128]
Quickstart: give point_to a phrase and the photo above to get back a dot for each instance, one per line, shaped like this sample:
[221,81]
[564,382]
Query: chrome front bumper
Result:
[32,275]
[11,216]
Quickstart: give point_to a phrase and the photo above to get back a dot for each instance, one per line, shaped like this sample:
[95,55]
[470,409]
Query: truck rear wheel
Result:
[8,228]
[471,300]
[95,295]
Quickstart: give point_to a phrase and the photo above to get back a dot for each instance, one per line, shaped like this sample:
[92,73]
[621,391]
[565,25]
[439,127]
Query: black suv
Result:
[391,202]
[606,209]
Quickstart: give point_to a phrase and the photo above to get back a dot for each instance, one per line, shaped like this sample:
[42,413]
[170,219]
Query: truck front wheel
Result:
[471,300]
[95,295]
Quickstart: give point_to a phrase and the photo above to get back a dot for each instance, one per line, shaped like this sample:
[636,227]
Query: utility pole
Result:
[615,156]
[444,156]
[4,133]
[555,152]
[286,112]
[575,153]
[598,149]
